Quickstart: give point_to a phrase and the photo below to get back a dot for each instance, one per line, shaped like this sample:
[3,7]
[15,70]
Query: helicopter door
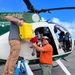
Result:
[45,31]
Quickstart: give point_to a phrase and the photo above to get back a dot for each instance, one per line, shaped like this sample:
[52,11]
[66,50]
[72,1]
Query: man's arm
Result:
[13,19]
[37,47]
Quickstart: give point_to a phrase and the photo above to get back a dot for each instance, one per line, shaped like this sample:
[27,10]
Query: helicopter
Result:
[55,32]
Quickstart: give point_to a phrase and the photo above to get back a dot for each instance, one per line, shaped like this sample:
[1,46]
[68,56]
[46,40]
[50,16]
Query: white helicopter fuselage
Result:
[26,46]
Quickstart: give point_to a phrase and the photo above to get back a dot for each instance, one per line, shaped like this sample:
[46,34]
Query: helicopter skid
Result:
[63,67]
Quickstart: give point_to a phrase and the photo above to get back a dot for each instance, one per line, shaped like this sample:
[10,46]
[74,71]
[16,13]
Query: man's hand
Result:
[34,44]
[20,22]
[39,43]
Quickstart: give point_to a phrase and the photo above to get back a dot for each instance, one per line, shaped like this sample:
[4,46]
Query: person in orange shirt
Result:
[46,52]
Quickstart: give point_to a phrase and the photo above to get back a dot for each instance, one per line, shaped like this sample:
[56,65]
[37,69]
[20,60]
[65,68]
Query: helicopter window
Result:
[45,31]
[42,31]
[64,38]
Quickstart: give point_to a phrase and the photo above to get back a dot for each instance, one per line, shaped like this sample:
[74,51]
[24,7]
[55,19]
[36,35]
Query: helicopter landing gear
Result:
[63,67]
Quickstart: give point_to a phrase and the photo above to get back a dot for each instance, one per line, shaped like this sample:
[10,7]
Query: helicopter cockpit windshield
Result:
[63,37]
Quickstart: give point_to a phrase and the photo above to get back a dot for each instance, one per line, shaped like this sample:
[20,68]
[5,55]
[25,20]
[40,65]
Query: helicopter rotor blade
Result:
[32,9]
[51,9]
[29,5]
[61,8]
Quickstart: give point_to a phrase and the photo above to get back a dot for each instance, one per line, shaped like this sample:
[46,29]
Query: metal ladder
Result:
[20,67]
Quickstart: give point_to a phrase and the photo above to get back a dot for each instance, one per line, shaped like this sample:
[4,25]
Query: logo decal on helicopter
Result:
[35,18]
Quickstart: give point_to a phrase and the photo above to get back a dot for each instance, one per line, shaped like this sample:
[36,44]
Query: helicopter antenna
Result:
[33,10]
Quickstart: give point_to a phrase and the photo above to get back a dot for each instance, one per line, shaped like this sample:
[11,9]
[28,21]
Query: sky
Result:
[65,18]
